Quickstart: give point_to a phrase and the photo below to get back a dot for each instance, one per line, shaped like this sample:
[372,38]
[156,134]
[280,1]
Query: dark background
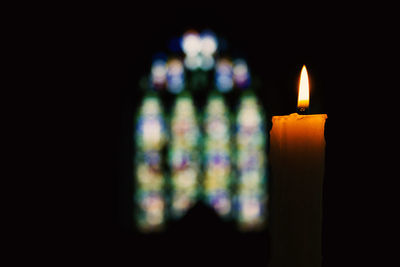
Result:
[81,64]
[275,46]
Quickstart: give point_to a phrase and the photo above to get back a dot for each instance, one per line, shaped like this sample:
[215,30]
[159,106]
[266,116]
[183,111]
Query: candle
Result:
[297,156]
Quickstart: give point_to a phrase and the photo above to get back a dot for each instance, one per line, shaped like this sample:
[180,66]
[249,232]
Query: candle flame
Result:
[304,90]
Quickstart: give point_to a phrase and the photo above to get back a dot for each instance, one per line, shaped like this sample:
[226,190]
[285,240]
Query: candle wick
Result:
[303,110]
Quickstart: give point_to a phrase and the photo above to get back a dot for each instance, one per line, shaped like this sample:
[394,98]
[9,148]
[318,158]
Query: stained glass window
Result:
[224,75]
[150,179]
[251,161]
[175,76]
[200,152]
[218,161]
[184,158]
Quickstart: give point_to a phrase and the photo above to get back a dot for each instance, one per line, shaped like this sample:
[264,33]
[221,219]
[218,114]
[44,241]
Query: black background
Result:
[275,45]
[81,64]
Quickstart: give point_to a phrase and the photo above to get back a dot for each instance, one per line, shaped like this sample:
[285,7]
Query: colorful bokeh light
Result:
[250,162]
[175,76]
[184,157]
[149,183]
[199,50]
[224,75]
[159,74]
[241,75]
[177,161]
[218,165]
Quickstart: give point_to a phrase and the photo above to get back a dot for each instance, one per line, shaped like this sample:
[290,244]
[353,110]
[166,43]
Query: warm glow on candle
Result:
[304,90]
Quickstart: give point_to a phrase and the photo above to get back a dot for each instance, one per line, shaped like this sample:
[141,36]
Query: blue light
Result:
[224,75]
[175,76]
[224,83]
[158,73]
[174,44]
[175,84]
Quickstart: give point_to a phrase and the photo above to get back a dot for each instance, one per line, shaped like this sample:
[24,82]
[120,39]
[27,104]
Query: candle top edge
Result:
[299,116]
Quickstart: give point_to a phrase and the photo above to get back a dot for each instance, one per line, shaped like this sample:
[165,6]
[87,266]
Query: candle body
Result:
[297,156]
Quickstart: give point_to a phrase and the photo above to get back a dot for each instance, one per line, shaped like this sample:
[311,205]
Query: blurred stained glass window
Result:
[184,158]
[207,152]
[218,156]
[251,194]
[150,177]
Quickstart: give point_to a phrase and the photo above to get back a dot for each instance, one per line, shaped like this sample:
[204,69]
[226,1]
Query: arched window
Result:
[150,179]
[200,146]
[184,155]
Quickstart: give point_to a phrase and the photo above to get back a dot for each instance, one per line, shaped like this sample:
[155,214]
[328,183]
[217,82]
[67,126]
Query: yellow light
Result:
[304,90]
